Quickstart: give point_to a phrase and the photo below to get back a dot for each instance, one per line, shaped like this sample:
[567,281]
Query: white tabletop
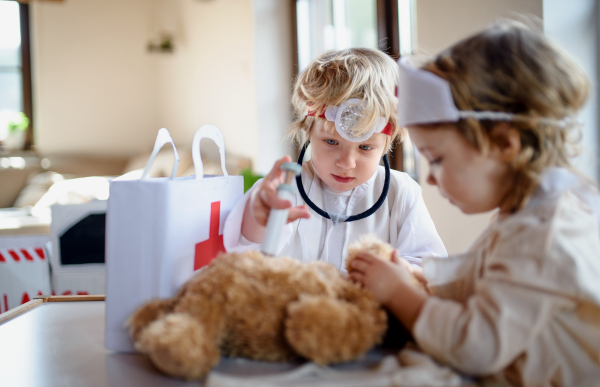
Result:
[62,344]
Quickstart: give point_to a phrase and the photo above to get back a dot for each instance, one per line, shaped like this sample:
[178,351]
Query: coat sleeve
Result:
[232,231]
[233,240]
[417,236]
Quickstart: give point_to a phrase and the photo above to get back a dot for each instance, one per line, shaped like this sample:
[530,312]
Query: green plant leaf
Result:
[18,121]
[249,178]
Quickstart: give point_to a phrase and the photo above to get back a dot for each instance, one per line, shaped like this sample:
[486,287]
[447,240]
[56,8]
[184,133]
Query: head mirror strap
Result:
[362,215]
[504,116]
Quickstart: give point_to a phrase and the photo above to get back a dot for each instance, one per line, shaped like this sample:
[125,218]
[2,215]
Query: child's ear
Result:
[507,140]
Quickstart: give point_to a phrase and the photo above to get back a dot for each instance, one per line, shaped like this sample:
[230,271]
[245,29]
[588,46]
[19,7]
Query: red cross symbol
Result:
[207,250]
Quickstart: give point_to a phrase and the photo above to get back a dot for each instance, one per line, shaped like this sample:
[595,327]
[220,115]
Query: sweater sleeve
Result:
[232,231]
[487,333]
[520,277]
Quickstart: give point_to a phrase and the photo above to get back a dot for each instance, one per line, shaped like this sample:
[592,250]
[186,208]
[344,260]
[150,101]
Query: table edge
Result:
[19,310]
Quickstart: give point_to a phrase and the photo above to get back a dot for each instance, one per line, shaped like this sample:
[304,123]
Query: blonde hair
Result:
[511,68]
[338,75]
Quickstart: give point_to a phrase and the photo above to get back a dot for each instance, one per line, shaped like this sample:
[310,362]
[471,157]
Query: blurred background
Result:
[86,84]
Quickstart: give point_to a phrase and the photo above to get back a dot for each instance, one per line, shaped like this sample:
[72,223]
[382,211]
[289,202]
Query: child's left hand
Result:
[383,278]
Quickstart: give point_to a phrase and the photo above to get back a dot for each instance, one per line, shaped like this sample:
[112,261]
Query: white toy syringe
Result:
[278,218]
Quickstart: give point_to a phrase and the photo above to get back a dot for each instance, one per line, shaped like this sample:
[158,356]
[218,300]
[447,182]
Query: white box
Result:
[83,225]
[24,269]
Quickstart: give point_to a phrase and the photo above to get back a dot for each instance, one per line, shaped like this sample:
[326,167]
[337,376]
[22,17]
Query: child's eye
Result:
[331,142]
[435,161]
[365,147]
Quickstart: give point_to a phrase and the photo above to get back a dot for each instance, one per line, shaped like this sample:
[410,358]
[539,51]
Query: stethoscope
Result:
[352,218]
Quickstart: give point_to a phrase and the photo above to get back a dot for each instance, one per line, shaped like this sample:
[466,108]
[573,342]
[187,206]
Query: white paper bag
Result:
[160,230]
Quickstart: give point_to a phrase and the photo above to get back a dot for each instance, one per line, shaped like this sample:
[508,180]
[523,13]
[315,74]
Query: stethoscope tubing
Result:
[362,215]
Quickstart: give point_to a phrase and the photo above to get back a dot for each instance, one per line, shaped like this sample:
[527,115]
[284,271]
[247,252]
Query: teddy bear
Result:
[263,308]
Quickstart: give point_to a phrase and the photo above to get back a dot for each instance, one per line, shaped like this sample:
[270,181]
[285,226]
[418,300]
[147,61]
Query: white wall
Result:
[94,89]
[440,24]
[99,91]
[210,78]
[273,63]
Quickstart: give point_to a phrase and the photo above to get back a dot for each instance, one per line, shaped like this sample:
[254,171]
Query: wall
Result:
[210,78]
[94,88]
[440,24]
[273,63]
[99,91]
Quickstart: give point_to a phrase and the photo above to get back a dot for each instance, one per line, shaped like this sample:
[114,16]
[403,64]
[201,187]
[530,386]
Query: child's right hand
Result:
[417,272]
[382,277]
[392,284]
[263,199]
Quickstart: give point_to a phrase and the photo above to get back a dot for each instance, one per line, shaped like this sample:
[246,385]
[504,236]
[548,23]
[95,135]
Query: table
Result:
[59,341]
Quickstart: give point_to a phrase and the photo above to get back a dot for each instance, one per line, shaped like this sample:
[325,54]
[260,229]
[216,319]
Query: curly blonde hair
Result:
[338,75]
[509,67]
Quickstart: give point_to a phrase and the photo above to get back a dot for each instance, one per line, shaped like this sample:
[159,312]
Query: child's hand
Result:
[383,278]
[417,272]
[392,284]
[265,197]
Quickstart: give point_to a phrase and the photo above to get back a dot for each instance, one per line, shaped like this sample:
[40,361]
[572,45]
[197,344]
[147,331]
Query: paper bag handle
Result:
[163,137]
[211,132]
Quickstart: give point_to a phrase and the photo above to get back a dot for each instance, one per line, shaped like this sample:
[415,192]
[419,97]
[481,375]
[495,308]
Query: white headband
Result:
[347,115]
[425,98]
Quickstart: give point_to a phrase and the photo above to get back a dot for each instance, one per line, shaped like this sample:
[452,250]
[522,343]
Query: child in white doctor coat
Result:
[493,116]
[346,109]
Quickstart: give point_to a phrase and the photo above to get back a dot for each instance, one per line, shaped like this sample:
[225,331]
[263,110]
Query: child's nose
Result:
[346,161]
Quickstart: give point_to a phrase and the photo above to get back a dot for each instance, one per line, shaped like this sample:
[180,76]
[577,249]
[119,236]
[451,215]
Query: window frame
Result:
[389,42]
[25,69]
[26,72]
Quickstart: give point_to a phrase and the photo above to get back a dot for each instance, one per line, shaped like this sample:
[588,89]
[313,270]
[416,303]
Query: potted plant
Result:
[13,126]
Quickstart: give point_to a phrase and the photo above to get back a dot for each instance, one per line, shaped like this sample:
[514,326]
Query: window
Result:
[388,25]
[334,24]
[15,66]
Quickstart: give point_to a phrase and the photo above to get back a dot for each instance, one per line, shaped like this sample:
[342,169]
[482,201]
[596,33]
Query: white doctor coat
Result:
[402,221]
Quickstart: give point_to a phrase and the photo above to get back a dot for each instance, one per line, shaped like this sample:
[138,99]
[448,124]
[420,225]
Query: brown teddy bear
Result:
[262,308]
